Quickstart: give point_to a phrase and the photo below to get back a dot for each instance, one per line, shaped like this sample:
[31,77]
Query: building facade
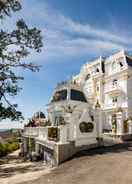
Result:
[91,110]
[107,83]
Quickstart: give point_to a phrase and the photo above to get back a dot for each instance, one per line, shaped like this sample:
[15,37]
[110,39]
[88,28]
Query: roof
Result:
[68,85]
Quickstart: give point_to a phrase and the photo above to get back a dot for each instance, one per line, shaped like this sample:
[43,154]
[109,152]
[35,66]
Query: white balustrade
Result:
[130,126]
[31,131]
[115,105]
[112,105]
[63,134]
[112,88]
[42,132]
[35,131]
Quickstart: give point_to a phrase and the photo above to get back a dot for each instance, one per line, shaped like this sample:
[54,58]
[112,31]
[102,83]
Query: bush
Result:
[3,150]
[6,148]
[14,146]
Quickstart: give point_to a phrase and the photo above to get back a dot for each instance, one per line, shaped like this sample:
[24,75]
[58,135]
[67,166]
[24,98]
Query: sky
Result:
[74,32]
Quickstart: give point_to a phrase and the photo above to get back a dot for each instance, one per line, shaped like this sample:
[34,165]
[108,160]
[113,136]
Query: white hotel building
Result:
[107,83]
[92,110]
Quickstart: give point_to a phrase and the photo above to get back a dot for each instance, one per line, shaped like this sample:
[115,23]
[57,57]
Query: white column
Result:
[98,121]
[63,133]
[119,121]
[130,126]
[36,147]
[25,145]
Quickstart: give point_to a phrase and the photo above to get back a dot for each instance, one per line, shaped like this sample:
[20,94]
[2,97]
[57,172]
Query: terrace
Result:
[50,133]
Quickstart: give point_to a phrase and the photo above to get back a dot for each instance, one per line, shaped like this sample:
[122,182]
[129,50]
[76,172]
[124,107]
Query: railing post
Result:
[119,119]
[63,133]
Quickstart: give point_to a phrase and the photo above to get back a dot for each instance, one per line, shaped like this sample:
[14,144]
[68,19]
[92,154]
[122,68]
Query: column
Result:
[98,121]
[130,126]
[25,145]
[119,121]
[37,148]
[63,133]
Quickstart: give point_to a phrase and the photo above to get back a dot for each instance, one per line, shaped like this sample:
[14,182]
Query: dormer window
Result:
[77,96]
[59,96]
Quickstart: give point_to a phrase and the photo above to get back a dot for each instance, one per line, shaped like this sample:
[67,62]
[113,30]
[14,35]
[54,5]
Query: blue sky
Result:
[74,32]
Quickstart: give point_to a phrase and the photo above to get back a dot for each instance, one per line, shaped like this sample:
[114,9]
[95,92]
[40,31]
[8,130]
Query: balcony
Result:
[49,133]
[111,106]
[31,131]
[115,105]
[112,89]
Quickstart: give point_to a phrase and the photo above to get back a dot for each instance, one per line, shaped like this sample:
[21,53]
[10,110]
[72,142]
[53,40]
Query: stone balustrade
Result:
[112,88]
[31,131]
[43,133]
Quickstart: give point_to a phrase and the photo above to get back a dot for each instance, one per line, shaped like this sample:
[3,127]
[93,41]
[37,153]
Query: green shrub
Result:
[6,148]
[3,150]
[14,146]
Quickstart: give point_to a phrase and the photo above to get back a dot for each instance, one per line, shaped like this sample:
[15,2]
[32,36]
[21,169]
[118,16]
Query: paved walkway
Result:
[111,165]
[14,170]
[99,166]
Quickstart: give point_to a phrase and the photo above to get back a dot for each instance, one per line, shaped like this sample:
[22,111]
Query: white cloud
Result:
[63,37]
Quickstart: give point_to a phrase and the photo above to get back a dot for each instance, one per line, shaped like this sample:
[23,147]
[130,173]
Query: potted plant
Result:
[126,126]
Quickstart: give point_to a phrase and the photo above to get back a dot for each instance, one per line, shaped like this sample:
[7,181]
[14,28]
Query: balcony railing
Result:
[31,131]
[112,89]
[110,106]
[51,133]
[115,105]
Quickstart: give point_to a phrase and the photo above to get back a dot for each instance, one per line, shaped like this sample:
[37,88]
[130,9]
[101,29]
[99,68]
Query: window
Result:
[97,88]
[114,99]
[77,96]
[114,83]
[86,127]
[59,96]
[87,77]
[97,70]
[121,65]
[59,120]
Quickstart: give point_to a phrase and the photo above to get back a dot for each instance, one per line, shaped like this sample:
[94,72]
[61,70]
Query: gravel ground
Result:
[111,165]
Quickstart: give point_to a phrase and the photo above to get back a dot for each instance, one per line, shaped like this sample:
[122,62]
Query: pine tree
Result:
[23,39]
